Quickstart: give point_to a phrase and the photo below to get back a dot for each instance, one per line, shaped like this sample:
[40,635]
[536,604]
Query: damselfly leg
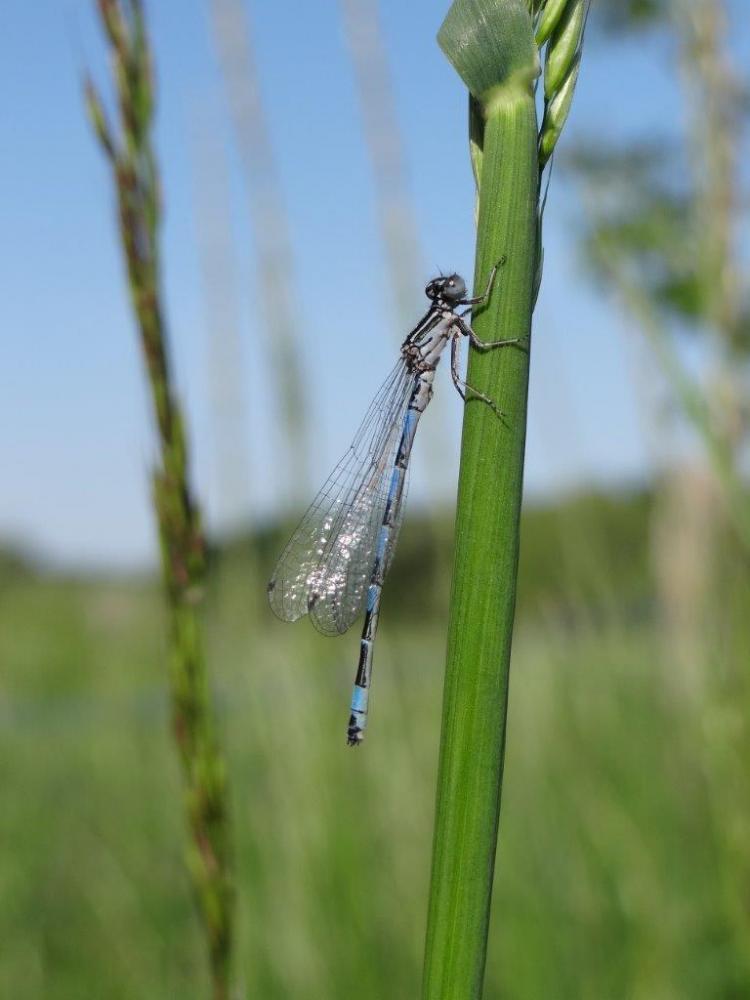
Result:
[479,300]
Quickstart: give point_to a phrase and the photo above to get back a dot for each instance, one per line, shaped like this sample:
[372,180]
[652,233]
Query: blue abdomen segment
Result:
[381,559]
[360,697]
[410,425]
[358,719]
[382,545]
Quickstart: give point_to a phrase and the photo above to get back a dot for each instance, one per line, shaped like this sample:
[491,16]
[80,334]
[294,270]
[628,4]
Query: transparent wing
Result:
[326,564]
[342,592]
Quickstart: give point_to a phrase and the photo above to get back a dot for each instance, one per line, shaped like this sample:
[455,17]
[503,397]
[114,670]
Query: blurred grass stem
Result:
[272,235]
[691,398]
[130,153]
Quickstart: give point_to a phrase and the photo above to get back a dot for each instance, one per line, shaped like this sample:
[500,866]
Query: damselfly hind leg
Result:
[463,387]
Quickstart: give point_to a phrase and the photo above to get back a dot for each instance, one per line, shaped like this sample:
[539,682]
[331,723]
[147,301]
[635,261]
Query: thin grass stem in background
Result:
[272,235]
[491,45]
[395,206]
[130,153]
[226,370]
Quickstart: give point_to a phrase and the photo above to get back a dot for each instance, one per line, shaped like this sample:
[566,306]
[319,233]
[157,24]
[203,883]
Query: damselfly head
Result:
[451,289]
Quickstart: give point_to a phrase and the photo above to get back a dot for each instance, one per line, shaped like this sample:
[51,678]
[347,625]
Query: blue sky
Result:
[75,440]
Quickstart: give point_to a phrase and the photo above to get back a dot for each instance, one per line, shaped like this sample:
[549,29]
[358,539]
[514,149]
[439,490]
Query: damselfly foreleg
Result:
[466,328]
[479,299]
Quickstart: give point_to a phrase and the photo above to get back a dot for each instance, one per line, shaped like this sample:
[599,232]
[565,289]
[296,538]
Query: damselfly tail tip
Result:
[354,736]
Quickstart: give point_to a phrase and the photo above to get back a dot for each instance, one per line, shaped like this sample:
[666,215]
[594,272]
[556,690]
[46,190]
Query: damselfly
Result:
[334,564]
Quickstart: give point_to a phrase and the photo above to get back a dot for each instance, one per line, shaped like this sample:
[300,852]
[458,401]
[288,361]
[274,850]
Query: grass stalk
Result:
[485,569]
[486,559]
[130,153]
[491,44]
[273,240]
[691,399]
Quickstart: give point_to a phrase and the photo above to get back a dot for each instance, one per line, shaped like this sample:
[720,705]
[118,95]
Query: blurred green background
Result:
[624,857]
[624,842]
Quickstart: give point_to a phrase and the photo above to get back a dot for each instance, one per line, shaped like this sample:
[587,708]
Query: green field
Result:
[624,859]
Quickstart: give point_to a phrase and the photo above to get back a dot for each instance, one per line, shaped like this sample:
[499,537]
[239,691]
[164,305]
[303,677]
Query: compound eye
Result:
[455,289]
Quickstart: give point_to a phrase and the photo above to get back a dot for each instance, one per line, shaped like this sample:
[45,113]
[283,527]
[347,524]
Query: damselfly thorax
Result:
[427,341]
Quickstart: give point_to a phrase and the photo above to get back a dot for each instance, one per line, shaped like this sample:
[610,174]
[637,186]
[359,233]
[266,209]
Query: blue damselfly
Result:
[334,564]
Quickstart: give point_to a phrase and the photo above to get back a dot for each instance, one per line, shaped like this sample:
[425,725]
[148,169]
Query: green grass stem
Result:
[130,153]
[491,44]
[486,560]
